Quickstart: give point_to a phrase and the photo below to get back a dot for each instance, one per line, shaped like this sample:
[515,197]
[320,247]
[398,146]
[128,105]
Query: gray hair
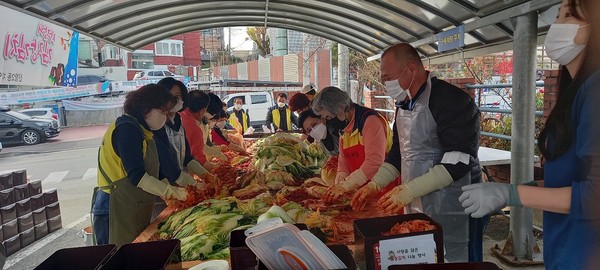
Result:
[332,100]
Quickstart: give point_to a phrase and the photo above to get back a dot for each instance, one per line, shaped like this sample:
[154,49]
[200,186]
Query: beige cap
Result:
[307,88]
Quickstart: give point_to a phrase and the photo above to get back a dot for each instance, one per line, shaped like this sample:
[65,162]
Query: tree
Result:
[261,39]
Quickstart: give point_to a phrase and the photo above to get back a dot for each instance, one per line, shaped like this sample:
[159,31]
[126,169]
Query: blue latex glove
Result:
[482,199]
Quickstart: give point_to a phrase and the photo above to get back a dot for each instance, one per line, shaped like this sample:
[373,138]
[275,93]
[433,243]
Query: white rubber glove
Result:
[340,177]
[354,181]
[196,168]
[484,198]
[185,179]
[386,174]
[359,201]
[214,152]
[162,189]
[395,200]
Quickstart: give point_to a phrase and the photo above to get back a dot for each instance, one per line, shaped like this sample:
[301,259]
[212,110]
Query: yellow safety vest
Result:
[110,162]
[234,121]
[355,137]
[277,118]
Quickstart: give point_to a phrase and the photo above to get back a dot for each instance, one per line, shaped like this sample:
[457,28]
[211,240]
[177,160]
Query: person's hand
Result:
[210,166]
[394,201]
[362,195]
[340,177]
[482,199]
[279,130]
[333,193]
[173,192]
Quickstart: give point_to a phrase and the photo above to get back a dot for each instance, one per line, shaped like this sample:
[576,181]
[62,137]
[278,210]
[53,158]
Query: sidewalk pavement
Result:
[69,138]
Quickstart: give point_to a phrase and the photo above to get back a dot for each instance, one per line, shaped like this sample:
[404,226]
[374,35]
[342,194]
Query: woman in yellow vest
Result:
[238,118]
[128,168]
[363,147]
[280,116]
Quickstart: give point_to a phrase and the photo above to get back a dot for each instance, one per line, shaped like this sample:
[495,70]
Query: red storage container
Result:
[21,192]
[35,188]
[54,224]
[53,210]
[37,201]
[27,238]
[50,196]
[7,197]
[25,222]
[12,245]
[40,230]
[23,207]
[6,181]
[8,213]
[39,216]
[10,229]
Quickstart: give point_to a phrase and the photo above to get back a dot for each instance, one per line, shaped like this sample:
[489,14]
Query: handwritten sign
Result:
[451,39]
[418,249]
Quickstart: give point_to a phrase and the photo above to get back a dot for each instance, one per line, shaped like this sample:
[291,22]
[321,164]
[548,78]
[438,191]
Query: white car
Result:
[257,105]
[43,113]
[156,75]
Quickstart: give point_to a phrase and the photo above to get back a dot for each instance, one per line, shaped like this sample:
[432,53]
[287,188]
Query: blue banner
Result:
[451,39]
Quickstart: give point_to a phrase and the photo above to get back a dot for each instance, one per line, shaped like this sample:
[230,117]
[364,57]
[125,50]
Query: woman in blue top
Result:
[569,146]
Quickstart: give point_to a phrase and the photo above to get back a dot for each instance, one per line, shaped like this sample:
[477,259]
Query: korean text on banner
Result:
[451,39]
[35,52]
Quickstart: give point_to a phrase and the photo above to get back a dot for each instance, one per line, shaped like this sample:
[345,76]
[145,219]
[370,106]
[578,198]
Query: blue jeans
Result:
[101,229]
[476,229]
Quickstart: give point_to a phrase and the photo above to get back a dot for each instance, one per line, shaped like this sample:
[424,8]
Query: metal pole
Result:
[343,68]
[523,125]
[305,59]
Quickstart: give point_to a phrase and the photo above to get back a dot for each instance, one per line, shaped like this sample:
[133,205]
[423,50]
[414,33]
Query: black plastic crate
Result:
[447,266]
[25,222]
[6,181]
[50,196]
[10,229]
[19,177]
[35,187]
[8,213]
[37,201]
[81,258]
[12,245]
[39,216]
[27,238]
[54,224]
[21,192]
[7,197]
[147,255]
[52,210]
[368,233]
[40,230]
[23,207]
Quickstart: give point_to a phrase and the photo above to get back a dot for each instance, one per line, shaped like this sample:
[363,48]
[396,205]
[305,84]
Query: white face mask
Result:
[560,43]
[237,107]
[395,90]
[156,119]
[178,106]
[319,132]
[281,104]
[221,124]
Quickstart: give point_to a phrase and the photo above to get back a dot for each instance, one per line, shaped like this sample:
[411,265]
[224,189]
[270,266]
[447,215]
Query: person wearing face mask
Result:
[129,168]
[436,140]
[238,117]
[363,146]
[280,116]
[192,119]
[569,146]
[218,136]
[325,135]
[208,122]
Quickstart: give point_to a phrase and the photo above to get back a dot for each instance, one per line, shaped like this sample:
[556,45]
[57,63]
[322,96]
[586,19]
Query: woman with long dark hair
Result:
[569,147]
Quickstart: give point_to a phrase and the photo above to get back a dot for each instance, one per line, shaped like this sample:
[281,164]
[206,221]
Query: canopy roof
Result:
[368,26]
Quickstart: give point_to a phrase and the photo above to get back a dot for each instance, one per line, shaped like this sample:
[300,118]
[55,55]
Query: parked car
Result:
[156,75]
[256,103]
[0,147]
[46,113]
[16,127]
[90,79]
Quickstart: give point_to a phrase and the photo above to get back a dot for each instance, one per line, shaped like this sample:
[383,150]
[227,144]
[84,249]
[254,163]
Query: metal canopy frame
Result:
[368,26]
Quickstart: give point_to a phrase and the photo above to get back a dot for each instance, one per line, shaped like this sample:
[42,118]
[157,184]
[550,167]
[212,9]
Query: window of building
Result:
[111,52]
[85,50]
[169,48]
[142,60]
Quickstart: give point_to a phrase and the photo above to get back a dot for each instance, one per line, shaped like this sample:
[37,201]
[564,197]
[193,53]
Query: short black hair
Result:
[215,104]
[197,100]
[169,82]
[151,96]
[312,92]
[282,95]
[305,115]
[221,114]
